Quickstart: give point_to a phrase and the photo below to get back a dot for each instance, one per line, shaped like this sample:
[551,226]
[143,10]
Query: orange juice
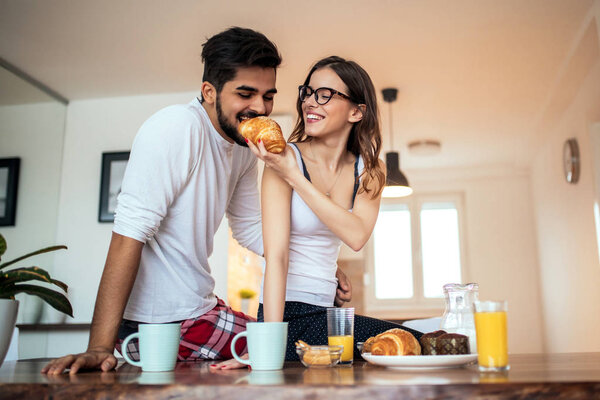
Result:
[492,346]
[347,341]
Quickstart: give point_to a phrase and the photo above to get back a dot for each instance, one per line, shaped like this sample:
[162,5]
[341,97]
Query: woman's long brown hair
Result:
[365,136]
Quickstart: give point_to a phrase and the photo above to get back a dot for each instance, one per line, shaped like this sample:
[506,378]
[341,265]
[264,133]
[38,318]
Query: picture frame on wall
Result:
[113,170]
[9,184]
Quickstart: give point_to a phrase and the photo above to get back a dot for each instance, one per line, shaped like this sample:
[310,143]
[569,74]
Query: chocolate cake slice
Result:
[452,343]
[429,342]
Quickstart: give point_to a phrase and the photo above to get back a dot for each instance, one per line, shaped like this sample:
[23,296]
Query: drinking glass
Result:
[492,338]
[340,332]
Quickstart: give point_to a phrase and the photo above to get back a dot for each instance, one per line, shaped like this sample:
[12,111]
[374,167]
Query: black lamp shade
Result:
[396,183]
[395,177]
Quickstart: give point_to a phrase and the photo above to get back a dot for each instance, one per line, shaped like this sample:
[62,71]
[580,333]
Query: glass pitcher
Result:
[458,315]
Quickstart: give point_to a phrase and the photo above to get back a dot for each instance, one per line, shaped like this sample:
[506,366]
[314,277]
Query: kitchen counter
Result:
[537,376]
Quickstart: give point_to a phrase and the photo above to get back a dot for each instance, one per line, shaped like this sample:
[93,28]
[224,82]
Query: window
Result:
[416,248]
[393,253]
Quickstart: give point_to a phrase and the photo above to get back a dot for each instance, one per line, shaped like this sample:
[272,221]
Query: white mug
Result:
[158,344]
[266,345]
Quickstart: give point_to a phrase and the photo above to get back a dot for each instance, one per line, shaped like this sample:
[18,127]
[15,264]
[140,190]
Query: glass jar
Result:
[458,316]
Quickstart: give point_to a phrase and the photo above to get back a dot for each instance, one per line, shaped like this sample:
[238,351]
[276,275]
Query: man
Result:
[188,167]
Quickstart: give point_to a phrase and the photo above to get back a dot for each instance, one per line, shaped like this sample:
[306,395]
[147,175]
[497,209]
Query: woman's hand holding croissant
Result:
[284,163]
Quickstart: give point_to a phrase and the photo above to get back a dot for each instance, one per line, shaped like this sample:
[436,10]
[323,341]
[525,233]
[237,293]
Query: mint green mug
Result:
[158,345]
[266,345]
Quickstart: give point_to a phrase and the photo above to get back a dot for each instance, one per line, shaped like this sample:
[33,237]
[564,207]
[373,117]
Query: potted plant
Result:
[12,282]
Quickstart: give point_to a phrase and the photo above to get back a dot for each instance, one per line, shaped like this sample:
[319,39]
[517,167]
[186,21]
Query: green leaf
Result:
[28,274]
[2,246]
[35,253]
[60,284]
[24,274]
[55,299]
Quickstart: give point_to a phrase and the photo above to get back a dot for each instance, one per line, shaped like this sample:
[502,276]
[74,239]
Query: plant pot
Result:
[8,318]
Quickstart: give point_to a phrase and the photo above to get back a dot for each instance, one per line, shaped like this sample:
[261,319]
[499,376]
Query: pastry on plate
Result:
[393,342]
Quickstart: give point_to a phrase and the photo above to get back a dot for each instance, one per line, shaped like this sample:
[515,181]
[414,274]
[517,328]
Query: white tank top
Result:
[313,251]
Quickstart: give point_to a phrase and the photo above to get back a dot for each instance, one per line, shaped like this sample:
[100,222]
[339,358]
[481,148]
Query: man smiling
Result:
[184,174]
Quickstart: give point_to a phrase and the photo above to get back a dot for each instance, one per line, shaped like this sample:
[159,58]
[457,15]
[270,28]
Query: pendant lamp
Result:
[396,184]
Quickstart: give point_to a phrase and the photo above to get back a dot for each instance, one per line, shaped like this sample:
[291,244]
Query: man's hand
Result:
[343,293]
[91,359]
[119,274]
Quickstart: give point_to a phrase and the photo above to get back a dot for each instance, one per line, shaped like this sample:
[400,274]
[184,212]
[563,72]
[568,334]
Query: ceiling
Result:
[474,74]
[14,90]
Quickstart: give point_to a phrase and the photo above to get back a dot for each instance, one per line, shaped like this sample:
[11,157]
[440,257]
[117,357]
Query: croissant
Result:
[317,357]
[265,129]
[393,342]
[312,355]
[368,344]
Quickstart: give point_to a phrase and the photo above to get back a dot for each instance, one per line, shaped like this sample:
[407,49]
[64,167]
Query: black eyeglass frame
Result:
[314,91]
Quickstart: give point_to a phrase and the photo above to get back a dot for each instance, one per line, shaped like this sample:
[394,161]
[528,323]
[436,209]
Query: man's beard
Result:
[230,130]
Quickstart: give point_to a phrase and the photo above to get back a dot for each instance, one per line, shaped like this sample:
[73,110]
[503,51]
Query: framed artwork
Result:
[113,170]
[9,183]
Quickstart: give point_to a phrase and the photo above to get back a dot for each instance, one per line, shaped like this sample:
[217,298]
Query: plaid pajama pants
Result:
[207,337]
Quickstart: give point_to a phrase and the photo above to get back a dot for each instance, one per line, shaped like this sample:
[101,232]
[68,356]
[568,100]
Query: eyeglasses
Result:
[322,94]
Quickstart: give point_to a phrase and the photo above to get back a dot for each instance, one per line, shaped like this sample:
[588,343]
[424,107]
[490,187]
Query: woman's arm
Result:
[276,197]
[276,200]
[353,228]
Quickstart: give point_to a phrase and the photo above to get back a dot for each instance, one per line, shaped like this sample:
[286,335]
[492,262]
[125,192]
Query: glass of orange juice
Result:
[340,331]
[492,337]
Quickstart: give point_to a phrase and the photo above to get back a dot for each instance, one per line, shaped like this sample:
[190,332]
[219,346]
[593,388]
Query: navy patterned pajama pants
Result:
[308,322]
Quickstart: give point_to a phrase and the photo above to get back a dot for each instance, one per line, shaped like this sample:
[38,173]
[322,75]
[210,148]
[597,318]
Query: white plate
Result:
[421,362]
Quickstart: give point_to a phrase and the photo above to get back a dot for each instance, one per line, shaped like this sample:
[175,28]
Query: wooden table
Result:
[568,376]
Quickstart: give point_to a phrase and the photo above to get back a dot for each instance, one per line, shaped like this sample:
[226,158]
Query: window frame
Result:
[418,305]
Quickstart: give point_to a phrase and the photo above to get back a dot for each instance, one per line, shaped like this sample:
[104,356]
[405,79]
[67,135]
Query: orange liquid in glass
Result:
[492,343]
[346,341]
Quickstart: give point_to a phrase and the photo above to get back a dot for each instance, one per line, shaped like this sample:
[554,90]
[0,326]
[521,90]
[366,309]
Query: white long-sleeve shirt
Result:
[181,178]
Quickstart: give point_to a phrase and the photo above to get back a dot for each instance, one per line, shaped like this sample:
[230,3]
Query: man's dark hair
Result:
[236,48]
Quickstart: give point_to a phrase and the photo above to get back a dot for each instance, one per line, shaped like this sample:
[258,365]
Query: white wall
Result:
[568,250]
[502,257]
[33,132]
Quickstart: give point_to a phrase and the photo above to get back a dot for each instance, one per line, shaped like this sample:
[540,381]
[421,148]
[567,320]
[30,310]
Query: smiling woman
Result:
[325,189]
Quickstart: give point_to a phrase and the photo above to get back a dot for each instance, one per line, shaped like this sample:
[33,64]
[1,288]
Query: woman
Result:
[327,190]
